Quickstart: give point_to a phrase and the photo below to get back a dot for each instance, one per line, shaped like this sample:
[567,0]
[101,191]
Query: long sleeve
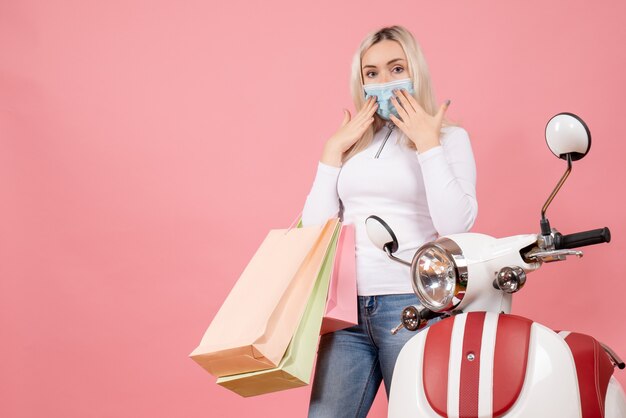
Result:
[323,200]
[449,173]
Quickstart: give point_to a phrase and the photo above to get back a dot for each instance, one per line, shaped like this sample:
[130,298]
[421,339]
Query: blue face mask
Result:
[384,93]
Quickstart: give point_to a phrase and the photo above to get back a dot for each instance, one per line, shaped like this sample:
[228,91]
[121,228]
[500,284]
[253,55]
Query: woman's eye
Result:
[371,74]
[397,68]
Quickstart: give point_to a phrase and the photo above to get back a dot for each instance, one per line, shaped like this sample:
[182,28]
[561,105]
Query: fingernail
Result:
[448,102]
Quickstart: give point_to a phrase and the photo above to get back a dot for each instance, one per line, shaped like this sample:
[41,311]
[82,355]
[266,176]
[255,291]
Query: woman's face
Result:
[383,62]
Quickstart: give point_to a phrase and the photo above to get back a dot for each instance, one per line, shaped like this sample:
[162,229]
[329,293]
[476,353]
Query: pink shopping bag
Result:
[341,305]
[256,322]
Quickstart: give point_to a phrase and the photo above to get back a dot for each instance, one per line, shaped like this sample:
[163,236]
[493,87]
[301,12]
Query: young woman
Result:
[399,159]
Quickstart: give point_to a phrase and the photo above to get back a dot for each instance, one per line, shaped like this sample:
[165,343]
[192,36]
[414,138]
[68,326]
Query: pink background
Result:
[147,147]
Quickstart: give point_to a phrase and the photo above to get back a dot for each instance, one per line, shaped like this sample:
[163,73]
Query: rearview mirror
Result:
[566,133]
[381,234]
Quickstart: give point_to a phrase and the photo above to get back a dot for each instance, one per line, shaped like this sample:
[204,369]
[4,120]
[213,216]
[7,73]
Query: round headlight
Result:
[439,275]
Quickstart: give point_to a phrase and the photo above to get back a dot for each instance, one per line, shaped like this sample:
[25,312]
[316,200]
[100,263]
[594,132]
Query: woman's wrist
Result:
[422,149]
[331,155]
[427,144]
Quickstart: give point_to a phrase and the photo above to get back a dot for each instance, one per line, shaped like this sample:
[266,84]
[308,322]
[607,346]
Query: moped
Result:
[478,360]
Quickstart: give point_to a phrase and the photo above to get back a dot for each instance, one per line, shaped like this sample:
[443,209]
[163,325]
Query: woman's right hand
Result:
[349,133]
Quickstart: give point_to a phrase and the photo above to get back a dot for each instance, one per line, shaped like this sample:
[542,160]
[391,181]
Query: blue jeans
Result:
[352,362]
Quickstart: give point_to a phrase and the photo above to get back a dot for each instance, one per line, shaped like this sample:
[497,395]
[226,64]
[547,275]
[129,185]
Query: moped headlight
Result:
[439,275]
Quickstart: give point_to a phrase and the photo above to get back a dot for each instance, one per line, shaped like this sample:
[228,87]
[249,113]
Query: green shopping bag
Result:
[294,370]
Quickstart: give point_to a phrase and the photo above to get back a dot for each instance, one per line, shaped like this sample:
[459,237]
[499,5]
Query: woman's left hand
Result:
[421,128]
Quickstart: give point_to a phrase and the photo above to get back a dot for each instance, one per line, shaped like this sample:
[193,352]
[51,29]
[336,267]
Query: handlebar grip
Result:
[582,239]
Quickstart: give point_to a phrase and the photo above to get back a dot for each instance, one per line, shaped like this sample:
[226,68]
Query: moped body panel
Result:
[483,364]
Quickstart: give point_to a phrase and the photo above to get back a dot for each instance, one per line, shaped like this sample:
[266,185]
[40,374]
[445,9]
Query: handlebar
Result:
[582,239]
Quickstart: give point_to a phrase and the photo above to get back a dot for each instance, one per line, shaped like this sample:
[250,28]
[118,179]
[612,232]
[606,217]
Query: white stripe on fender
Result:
[488,346]
[454,365]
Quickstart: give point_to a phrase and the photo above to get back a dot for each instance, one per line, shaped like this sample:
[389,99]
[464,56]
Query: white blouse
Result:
[421,196]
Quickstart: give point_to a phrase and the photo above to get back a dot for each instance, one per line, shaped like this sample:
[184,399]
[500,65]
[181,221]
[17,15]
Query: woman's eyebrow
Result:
[390,62]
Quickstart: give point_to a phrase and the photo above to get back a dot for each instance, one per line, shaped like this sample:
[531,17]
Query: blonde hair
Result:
[419,75]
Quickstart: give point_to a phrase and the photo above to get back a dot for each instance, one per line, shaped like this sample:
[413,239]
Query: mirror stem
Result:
[556,189]
[394,258]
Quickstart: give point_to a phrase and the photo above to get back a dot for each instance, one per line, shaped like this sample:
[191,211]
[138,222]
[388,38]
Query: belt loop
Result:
[370,303]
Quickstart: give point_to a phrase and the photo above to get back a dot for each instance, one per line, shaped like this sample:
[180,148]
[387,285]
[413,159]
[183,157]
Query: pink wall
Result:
[147,147]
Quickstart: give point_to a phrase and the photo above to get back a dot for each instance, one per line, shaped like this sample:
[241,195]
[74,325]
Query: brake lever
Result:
[548,256]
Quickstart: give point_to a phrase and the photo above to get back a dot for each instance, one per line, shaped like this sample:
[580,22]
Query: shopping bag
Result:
[341,306]
[252,329]
[296,366]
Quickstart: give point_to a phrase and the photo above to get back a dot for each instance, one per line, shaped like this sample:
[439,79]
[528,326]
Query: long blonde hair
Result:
[419,74]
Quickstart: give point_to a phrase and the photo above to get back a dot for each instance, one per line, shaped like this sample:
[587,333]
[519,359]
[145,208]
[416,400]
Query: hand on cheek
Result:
[420,127]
